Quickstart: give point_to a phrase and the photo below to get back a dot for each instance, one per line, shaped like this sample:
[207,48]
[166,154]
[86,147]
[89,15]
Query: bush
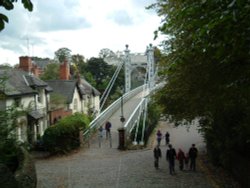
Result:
[64,136]
[8,155]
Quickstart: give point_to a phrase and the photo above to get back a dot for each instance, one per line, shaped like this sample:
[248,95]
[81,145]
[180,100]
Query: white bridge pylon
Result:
[149,84]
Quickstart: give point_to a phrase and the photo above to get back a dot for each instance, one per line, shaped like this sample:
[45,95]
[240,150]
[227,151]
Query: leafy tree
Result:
[63,54]
[5,66]
[105,52]
[101,71]
[8,120]
[9,5]
[207,70]
[79,61]
[51,72]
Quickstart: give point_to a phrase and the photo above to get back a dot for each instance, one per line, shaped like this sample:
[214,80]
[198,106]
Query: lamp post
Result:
[121,130]
[122,119]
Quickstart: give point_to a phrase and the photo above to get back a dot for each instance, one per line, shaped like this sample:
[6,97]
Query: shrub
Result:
[64,135]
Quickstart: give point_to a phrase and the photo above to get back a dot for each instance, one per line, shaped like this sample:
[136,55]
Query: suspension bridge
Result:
[126,112]
[101,164]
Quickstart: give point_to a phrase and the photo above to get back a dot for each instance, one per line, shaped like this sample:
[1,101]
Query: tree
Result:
[8,122]
[105,52]
[51,72]
[207,70]
[63,54]
[101,71]
[9,5]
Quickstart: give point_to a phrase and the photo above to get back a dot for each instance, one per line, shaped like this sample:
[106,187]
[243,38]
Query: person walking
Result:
[157,156]
[167,138]
[100,129]
[193,152]
[181,158]
[170,156]
[159,137]
[107,128]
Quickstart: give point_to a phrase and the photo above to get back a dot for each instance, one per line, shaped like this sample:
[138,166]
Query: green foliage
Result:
[64,136]
[51,72]
[208,70]
[8,147]
[101,72]
[63,54]
[9,5]
[105,52]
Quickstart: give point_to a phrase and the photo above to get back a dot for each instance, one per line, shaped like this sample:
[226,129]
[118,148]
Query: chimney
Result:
[25,63]
[64,71]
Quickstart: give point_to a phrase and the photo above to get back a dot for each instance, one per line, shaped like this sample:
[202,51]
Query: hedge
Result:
[64,135]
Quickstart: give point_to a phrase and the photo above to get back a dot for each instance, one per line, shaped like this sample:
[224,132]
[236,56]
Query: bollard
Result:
[121,138]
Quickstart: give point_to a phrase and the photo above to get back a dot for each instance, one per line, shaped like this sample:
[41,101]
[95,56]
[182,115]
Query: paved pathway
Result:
[106,167]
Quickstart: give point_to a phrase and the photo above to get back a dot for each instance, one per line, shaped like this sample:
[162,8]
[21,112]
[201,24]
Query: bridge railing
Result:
[135,117]
[108,112]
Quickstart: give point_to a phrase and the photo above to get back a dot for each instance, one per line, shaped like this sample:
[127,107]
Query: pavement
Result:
[107,166]
[104,166]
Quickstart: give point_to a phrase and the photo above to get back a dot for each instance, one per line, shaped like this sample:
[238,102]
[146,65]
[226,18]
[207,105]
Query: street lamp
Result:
[121,130]
[122,119]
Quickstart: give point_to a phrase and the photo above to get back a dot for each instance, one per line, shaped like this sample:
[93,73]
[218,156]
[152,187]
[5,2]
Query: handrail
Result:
[129,125]
[109,111]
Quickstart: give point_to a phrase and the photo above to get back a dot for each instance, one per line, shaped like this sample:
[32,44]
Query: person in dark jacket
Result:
[157,156]
[107,128]
[170,156]
[193,152]
[158,137]
[167,138]
[181,158]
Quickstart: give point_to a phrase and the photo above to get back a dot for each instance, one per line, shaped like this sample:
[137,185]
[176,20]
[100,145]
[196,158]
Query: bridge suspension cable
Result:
[110,85]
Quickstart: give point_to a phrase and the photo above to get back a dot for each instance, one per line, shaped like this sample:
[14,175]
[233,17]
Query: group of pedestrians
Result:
[188,160]
[108,126]
[159,137]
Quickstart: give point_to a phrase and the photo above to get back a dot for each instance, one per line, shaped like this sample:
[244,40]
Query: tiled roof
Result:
[87,88]
[19,82]
[63,87]
[66,88]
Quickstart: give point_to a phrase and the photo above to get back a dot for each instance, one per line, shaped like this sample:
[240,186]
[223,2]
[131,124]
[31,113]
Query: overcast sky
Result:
[83,26]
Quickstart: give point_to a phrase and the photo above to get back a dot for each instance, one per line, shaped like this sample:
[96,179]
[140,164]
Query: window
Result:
[75,104]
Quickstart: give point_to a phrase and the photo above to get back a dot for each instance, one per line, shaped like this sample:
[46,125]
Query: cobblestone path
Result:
[106,167]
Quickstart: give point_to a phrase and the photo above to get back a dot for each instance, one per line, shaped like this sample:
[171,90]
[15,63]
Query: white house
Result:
[30,95]
[80,96]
